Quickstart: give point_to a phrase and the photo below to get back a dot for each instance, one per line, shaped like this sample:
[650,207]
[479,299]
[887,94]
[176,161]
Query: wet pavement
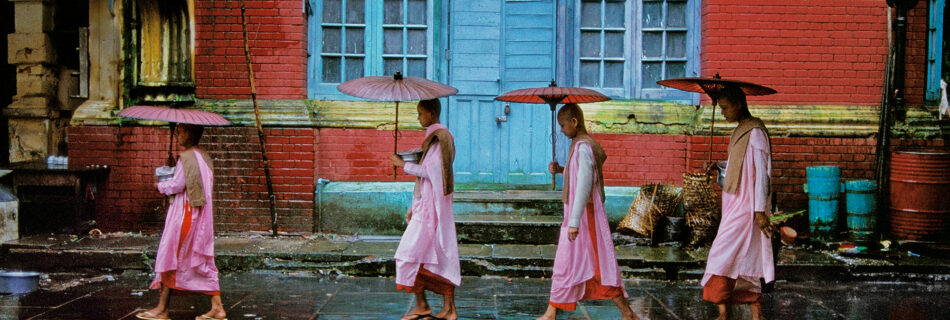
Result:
[298,295]
[373,256]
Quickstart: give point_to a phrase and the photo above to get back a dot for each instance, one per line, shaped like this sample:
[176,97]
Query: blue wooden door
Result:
[494,47]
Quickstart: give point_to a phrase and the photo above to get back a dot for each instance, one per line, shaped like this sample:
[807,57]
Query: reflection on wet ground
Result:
[275,295]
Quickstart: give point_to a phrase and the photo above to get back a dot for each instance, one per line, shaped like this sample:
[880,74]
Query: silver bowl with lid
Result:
[412,155]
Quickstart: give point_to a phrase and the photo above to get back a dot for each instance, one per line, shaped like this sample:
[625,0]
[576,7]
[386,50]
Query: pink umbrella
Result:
[177,115]
[396,88]
[552,95]
[173,115]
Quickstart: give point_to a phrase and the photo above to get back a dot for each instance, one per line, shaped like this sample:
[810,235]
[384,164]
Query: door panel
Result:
[477,151]
[495,49]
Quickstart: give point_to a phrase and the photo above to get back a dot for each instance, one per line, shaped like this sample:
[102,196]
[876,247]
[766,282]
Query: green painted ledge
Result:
[619,116]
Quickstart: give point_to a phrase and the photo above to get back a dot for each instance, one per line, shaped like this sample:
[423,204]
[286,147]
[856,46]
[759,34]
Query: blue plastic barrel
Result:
[861,206]
[824,187]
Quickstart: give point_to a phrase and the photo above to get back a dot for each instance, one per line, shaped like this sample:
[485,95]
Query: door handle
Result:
[500,119]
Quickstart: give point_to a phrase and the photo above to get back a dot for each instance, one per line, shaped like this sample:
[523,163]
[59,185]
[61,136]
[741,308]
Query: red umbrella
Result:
[174,115]
[713,87]
[552,95]
[396,88]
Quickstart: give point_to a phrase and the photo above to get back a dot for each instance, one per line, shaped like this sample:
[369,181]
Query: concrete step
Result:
[514,202]
[379,207]
[507,228]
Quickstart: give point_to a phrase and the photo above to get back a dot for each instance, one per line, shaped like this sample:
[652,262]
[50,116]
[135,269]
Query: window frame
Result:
[633,53]
[373,44]
[578,29]
[168,90]
[934,51]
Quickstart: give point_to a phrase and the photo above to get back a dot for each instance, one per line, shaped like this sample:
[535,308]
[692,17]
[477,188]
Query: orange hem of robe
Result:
[168,277]
[720,290]
[426,280]
[593,289]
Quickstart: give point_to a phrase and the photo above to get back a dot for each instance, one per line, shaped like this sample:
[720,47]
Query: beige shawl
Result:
[738,144]
[599,157]
[193,183]
[447,146]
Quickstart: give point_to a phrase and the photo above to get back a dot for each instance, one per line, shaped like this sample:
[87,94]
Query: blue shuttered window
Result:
[935,54]
[624,47]
[602,46]
[404,37]
[350,39]
[344,31]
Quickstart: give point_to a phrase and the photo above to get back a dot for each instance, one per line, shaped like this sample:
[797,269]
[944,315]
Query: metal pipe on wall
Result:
[893,97]
[318,205]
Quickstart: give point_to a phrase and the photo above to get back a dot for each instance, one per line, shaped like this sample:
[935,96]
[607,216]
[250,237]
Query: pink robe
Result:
[430,239]
[574,260]
[194,264]
[741,251]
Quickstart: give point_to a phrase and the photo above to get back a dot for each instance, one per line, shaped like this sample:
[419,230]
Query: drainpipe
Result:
[318,205]
[900,46]
[893,99]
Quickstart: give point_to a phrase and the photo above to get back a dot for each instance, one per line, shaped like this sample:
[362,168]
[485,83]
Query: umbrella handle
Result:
[396,138]
[553,130]
[712,131]
[171,145]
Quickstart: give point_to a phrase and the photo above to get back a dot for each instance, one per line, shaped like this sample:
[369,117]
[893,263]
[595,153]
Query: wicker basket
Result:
[653,202]
[702,208]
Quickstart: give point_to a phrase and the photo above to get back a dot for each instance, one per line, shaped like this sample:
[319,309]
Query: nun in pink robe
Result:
[184,262]
[428,257]
[741,254]
[429,243]
[591,255]
[185,257]
[585,264]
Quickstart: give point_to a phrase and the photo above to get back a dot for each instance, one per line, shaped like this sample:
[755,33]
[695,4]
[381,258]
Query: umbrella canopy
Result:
[552,95]
[396,88]
[713,86]
[177,115]
[174,115]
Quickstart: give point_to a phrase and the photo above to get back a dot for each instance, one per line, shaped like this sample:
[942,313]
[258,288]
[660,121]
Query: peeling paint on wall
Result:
[633,117]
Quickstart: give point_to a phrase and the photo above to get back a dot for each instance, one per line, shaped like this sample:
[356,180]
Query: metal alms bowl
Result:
[722,172]
[412,155]
[14,282]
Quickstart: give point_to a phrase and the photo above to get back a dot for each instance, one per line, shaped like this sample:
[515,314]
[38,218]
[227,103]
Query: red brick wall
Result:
[812,52]
[637,159]
[278,41]
[129,201]
[361,154]
[916,78]
[790,157]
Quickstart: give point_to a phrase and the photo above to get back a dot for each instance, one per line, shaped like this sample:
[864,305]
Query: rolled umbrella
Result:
[713,87]
[552,95]
[396,88]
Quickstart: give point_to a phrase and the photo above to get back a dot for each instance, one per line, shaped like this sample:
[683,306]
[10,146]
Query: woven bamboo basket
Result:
[701,207]
[653,202]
